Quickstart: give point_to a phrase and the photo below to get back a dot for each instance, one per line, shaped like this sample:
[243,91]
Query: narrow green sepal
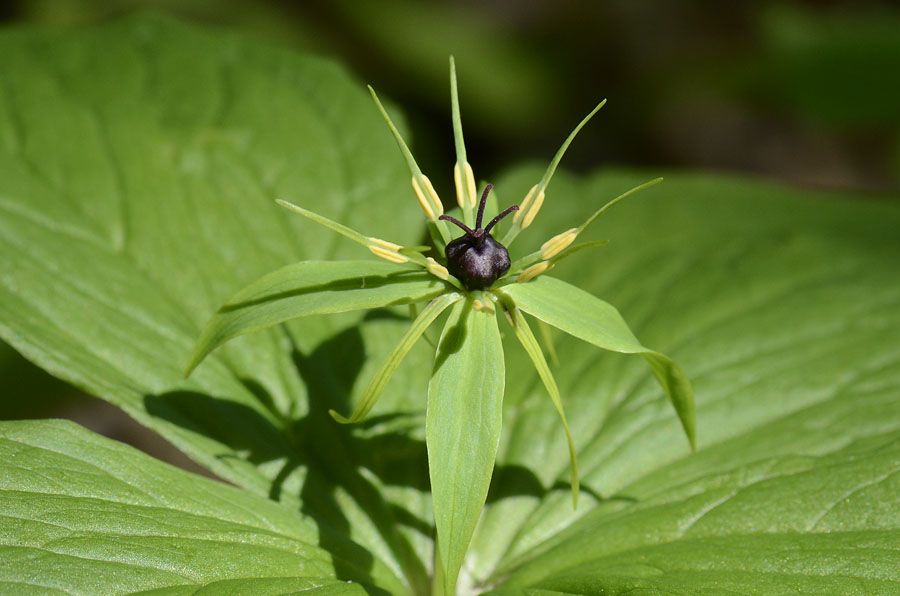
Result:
[516,226]
[404,148]
[410,250]
[621,197]
[523,263]
[551,169]
[578,247]
[529,342]
[379,381]
[414,170]
[547,338]
[468,215]
[328,223]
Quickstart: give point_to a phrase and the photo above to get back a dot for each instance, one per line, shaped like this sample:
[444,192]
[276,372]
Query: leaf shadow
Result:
[453,338]
[328,458]
[512,480]
[324,463]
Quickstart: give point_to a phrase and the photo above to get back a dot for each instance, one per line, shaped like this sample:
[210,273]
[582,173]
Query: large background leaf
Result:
[86,515]
[139,164]
[138,167]
[782,308]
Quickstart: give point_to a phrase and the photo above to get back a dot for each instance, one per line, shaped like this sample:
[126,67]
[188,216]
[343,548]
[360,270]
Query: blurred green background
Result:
[803,92]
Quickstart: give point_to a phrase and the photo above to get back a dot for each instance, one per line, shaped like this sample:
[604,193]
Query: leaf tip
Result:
[289,206]
[339,418]
[197,356]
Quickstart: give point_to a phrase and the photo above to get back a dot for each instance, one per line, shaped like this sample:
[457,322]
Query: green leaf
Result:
[139,163]
[782,305]
[84,514]
[139,166]
[313,288]
[790,523]
[462,426]
[587,317]
[377,384]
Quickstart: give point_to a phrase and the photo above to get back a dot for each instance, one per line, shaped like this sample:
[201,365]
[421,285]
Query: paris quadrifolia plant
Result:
[473,276]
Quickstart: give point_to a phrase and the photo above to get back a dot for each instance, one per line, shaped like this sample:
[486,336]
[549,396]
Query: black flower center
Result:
[476,259]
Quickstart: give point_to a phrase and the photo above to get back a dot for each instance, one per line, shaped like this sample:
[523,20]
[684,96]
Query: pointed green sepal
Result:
[621,197]
[379,381]
[547,338]
[380,248]
[463,177]
[529,342]
[520,265]
[324,221]
[428,199]
[532,203]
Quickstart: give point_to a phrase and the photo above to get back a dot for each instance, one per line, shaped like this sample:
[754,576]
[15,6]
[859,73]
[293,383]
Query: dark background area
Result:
[803,92]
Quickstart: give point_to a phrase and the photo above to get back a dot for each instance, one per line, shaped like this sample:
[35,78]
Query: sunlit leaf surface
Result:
[465,399]
[139,163]
[86,515]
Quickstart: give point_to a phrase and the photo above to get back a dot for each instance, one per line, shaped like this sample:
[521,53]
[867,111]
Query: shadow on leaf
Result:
[321,458]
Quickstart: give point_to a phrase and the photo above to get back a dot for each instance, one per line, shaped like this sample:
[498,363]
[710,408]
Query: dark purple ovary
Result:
[476,259]
[477,262]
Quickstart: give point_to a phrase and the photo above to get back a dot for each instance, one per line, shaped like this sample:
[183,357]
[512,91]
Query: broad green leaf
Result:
[462,424]
[781,305]
[587,317]
[377,384]
[139,166]
[312,288]
[139,163]
[810,525]
[84,514]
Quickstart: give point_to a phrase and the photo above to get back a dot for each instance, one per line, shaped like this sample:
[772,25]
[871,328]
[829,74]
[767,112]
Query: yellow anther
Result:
[460,189]
[533,210]
[437,269]
[388,255]
[558,243]
[487,306]
[464,179]
[386,250]
[534,271]
[423,201]
[523,206]
[435,199]
[384,244]
[470,186]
